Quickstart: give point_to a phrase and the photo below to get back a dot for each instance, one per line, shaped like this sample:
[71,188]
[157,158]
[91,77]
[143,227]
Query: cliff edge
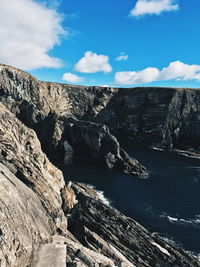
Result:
[41,215]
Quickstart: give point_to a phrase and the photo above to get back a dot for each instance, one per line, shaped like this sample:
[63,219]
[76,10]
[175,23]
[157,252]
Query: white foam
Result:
[196,220]
[157,148]
[195,255]
[172,219]
[101,195]
[171,241]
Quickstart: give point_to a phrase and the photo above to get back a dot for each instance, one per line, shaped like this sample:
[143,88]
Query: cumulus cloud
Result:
[92,63]
[29,30]
[72,78]
[180,71]
[133,77]
[153,7]
[122,57]
[175,71]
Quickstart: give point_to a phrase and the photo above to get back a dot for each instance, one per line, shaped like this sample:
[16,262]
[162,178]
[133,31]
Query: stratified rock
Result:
[93,143]
[162,117]
[33,194]
[21,152]
[107,231]
[68,197]
[24,223]
[45,107]
[167,118]
[30,201]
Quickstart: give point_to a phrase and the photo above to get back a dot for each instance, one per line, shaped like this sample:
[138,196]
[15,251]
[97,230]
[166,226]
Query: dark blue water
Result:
[167,202]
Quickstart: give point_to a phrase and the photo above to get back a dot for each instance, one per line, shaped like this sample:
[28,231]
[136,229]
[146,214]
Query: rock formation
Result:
[40,215]
[168,118]
[93,142]
[45,107]
[118,237]
[31,204]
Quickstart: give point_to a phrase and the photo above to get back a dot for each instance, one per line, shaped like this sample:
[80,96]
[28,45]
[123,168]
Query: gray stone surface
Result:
[30,200]
[24,223]
[52,254]
[35,202]
[93,142]
[47,107]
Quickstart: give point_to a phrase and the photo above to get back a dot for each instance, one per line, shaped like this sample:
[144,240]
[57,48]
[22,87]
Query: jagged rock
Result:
[54,254]
[20,151]
[45,108]
[31,204]
[68,197]
[162,117]
[24,223]
[33,194]
[93,143]
[107,231]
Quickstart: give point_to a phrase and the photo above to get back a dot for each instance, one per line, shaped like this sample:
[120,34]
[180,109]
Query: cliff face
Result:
[20,150]
[162,117]
[30,210]
[100,228]
[46,108]
[40,215]
[93,143]
[24,223]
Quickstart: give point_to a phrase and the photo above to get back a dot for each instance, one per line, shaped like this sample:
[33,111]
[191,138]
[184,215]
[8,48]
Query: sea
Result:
[166,202]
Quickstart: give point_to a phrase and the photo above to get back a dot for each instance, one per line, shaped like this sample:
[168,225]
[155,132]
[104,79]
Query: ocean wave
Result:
[172,242]
[195,255]
[193,221]
[192,167]
[157,148]
[101,196]
[167,239]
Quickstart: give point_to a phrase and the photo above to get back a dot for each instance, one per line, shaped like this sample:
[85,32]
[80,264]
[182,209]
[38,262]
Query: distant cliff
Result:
[40,215]
[167,118]
[50,109]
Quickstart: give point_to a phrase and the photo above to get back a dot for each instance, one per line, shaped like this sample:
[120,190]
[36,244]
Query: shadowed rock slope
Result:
[120,238]
[46,108]
[167,118]
[30,201]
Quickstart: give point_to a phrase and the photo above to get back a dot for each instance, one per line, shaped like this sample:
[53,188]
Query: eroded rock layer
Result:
[118,237]
[40,215]
[45,107]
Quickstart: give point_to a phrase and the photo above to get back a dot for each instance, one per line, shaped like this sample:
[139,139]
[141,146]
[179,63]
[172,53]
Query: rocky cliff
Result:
[31,204]
[45,222]
[167,118]
[47,107]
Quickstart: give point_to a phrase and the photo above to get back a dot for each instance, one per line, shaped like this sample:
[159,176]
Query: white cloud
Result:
[133,77]
[175,71]
[92,63]
[180,71]
[122,57]
[72,78]
[153,7]
[29,30]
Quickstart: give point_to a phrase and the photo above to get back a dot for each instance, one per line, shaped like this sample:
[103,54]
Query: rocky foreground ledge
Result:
[45,222]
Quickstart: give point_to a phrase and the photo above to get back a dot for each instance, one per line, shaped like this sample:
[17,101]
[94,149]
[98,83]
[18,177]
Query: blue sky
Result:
[158,42]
